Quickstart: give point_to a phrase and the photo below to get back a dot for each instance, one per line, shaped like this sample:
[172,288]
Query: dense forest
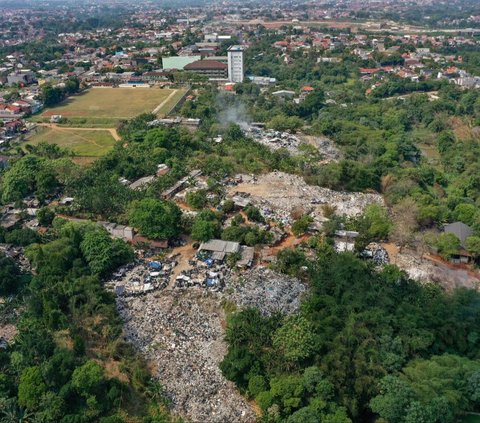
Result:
[365,343]
[69,363]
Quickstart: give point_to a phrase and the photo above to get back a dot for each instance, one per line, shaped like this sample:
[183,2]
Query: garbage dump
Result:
[181,332]
[277,194]
[275,139]
[266,290]
[141,276]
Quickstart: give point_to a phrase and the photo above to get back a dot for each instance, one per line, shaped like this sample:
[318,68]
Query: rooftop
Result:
[206,64]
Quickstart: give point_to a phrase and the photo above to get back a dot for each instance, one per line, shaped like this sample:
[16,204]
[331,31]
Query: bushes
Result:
[21,237]
[300,226]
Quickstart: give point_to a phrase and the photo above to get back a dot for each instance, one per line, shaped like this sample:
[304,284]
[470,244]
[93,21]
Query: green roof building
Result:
[178,62]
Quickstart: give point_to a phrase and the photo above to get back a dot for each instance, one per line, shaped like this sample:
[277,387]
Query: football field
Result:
[107,106]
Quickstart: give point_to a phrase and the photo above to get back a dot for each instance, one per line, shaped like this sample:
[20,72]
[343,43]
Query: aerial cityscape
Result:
[240,211]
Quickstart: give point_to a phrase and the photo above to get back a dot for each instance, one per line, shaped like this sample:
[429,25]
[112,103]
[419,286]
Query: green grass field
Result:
[106,106]
[83,143]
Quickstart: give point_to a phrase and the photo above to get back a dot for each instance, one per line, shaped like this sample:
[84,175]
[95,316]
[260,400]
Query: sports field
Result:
[106,106]
[80,141]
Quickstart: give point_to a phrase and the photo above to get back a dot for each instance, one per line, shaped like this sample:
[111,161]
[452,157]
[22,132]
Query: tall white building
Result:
[235,64]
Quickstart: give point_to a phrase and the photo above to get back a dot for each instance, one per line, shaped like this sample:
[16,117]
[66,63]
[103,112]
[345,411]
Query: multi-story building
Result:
[235,64]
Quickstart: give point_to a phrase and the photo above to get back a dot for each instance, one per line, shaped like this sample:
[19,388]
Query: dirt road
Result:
[159,107]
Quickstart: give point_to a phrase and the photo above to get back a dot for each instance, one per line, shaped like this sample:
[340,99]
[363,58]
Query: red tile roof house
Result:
[281,44]
[369,71]
[308,89]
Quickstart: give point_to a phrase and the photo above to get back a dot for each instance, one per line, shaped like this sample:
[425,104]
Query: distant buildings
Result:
[236,69]
[24,77]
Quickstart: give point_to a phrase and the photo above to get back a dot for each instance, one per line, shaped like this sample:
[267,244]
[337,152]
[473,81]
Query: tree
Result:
[376,222]
[395,396]
[294,340]
[45,216]
[254,214]
[405,221]
[285,123]
[300,226]
[25,176]
[10,280]
[312,104]
[465,213]
[104,254]
[31,388]
[51,95]
[155,219]
[447,244]
[88,379]
[473,246]
[206,226]
[52,408]
[197,199]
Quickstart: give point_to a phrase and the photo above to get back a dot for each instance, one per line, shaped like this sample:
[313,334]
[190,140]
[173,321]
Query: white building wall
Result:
[235,64]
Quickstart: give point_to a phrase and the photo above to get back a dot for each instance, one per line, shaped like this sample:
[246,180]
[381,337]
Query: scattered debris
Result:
[277,194]
[141,277]
[17,254]
[376,253]
[266,290]
[181,333]
[275,139]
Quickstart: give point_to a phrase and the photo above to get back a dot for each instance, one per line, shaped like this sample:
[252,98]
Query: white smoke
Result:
[231,110]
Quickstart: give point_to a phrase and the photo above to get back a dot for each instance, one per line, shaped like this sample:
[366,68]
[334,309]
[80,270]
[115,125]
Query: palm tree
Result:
[11,412]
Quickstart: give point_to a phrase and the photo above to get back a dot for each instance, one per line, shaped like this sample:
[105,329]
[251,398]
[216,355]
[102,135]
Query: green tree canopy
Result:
[155,219]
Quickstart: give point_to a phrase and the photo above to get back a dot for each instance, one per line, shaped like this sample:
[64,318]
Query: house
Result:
[369,71]
[462,232]
[180,185]
[345,240]
[142,183]
[23,77]
[247,256]
[162,169]
[178,62]
[284,94]
[219,249]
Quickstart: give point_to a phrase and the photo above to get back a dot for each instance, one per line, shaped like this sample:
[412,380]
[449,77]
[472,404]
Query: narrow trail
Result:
[159,107]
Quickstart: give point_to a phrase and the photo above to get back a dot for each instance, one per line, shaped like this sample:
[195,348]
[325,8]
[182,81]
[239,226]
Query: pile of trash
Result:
[277,194]
[141,276]
[328,149]
[181,333]
[203,274]
[376,253]
[17,254]
[266,290]
[274,139]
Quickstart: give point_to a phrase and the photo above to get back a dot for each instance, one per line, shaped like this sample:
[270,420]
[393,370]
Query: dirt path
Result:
[54,126]
[159,107]
[187,252]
